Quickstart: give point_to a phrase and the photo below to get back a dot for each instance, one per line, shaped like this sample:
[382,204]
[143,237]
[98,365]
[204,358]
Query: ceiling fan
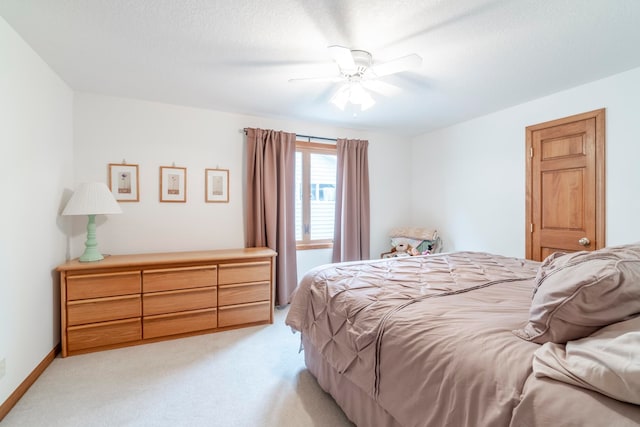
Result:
[358,72]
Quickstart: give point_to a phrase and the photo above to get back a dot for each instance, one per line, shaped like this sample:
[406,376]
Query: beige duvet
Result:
[428,340]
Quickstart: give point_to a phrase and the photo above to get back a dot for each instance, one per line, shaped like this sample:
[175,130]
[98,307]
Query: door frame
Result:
[599,116]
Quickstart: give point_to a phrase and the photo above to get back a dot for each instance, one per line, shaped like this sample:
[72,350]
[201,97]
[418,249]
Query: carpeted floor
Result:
[246,377]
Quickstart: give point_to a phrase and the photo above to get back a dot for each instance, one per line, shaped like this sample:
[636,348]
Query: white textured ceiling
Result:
[479,56]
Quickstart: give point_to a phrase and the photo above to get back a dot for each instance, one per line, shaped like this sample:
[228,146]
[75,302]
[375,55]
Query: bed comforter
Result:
[430,340]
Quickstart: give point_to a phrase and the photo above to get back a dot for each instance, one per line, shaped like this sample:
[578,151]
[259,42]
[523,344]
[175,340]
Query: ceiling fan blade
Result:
[397,65]
[343,57]
[332,79]
[381,87]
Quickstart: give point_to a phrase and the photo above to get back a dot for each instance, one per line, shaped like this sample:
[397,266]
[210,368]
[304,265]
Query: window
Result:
[315,194]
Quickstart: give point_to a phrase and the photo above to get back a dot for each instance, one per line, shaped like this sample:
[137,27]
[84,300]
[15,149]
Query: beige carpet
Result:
[246,377]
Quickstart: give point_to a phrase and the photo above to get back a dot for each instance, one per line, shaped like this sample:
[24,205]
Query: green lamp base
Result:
[91,252]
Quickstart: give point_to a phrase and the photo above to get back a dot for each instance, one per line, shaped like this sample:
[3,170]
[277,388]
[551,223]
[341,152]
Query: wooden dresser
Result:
[134,299]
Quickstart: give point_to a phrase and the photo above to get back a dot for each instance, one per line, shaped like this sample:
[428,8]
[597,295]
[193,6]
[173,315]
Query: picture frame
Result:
[173,184]
[124,182]
[216,186]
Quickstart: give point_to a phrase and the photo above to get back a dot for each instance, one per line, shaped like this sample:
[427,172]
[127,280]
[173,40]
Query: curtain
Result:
[270,204]
[351,233]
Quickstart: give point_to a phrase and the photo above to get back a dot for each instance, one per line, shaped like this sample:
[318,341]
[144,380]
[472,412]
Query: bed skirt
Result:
[358,406]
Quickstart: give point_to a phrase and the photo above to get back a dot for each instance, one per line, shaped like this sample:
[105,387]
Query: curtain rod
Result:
[308,136]
[317,137]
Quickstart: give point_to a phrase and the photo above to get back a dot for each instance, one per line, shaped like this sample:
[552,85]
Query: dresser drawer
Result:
[101,334]
[179,278]
[244,313]
[244,272]
[85,286]
[243,293]
[179,323]
[183,300]
[103,309]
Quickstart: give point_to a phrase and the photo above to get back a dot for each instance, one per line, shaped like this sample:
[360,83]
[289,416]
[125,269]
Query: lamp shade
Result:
[92,198]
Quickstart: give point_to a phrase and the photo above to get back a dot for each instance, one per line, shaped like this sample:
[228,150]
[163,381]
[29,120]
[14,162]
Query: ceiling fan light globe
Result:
[352,93]
[341,97]
[359,96]
[339,103]
[357,93]
[367,103]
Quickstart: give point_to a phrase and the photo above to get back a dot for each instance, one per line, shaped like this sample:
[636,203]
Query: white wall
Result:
[474,172]
[36,150]
[109,129]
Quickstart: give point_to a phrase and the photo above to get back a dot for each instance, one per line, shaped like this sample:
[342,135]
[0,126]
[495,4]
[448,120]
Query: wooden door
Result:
[565,201]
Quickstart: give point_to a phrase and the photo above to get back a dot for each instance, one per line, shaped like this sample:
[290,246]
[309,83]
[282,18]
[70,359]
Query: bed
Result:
[453,339]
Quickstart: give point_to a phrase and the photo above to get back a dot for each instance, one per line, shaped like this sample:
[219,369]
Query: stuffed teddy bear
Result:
[401,249]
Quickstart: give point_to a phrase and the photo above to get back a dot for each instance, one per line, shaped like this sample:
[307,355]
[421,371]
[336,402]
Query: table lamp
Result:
[92,198]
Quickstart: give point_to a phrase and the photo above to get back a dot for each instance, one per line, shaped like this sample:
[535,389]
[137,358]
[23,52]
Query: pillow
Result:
[576,294]
[606,362]
[544,268]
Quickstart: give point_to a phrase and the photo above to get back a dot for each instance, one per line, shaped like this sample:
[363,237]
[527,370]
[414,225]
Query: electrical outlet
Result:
[3,367]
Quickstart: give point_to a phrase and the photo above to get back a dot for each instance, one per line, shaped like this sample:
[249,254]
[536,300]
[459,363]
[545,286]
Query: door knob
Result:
[584,241]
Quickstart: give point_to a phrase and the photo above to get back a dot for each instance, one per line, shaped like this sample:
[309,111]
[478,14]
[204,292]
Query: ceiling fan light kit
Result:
[354,93]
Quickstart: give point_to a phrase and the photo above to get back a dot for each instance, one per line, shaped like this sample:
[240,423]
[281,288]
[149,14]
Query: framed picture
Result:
[123,182]
[216,186]
[173,184]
